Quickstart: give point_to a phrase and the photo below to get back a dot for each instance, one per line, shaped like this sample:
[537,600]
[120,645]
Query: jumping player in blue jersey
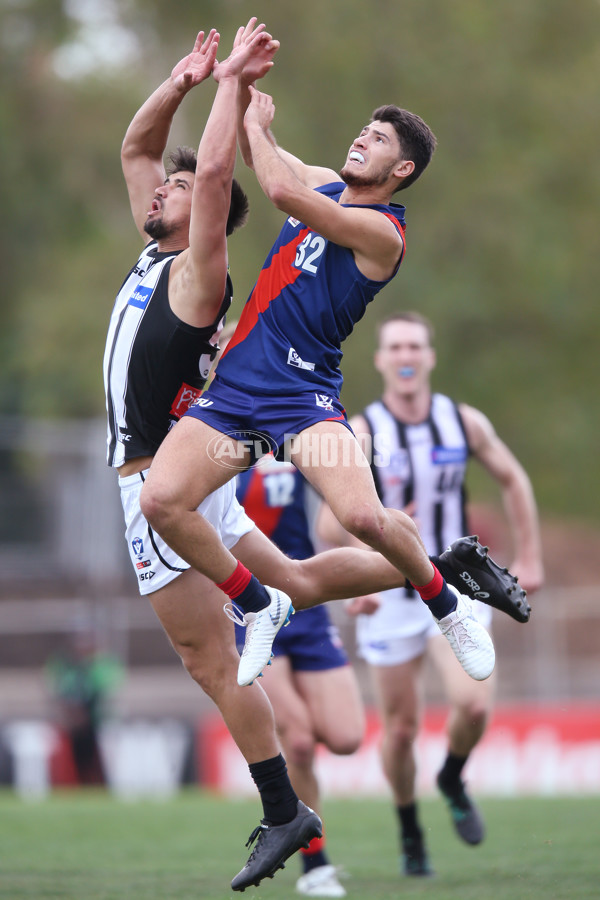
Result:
[343,240]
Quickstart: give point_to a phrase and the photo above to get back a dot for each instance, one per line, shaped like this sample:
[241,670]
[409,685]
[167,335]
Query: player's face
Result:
[171,207]
[373,156]
[405,357]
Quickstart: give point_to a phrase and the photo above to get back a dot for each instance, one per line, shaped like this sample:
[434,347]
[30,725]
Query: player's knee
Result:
[210,677]
[299,748]
[401,734]
[474,712]
[344,743]
[365,522]
[154,505]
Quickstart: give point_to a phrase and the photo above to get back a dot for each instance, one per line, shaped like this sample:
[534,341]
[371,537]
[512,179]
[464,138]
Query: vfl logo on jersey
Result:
[293,222]
[184,399]
[441,456]
[140,296]
[295,360]
[324,402]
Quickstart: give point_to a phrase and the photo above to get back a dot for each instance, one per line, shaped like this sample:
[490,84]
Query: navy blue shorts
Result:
[263,422]
[311,641]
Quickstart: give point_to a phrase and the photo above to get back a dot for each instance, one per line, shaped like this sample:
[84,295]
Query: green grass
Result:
[90,846]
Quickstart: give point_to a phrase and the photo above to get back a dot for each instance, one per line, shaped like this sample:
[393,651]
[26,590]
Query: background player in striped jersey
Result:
[425,441]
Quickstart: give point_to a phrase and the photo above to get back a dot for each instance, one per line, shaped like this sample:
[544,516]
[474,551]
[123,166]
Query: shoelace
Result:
[459,632]
[233,613]
[255,836]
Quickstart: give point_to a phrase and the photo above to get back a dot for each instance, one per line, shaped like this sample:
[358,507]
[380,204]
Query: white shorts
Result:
[401,627]
[154,563]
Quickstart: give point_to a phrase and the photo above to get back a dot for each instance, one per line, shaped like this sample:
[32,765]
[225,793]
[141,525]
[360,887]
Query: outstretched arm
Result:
[198,275]
[517,495]
[146,138]
[374,240]
[312,176]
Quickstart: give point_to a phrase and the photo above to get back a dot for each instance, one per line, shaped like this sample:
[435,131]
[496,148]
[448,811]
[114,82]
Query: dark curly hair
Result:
[417,140]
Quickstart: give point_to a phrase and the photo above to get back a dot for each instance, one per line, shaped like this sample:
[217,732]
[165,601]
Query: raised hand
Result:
[253,47]
[261,60]
[198,64]
[261,110]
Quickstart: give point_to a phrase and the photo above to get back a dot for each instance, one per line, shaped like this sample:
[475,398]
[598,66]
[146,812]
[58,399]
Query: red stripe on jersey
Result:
[402,229]
[270,283]
[255,503]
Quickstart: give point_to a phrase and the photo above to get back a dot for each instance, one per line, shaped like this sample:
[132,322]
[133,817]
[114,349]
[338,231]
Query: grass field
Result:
[90,846]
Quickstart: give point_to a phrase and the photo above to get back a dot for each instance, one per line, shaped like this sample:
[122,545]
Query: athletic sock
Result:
[314,856]
[280,803]
[437,595]
[409,822]
[451,771]
[246,590]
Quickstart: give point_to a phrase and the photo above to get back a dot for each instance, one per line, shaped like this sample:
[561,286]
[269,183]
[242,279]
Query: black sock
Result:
[280,803]
[450,773]
[409,822]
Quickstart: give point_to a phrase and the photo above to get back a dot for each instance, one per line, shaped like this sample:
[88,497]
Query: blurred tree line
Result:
[501,229]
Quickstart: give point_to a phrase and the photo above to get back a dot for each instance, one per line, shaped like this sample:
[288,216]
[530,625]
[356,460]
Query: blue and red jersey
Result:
[273,495]
[306,301]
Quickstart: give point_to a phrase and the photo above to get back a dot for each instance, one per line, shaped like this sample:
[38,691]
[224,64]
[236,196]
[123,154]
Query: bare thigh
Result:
[336,707]
[292,715]
[184,470]
[399,695]
[347,486]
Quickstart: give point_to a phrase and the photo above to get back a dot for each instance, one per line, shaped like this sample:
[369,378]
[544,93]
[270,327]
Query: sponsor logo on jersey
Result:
[295,360]
[442,455]
[184,399]
[324,402]
[143,564]
[293,222]
[140,296]
[202,401]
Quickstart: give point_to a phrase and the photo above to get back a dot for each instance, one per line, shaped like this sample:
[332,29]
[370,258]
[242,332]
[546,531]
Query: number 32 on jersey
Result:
[308,253]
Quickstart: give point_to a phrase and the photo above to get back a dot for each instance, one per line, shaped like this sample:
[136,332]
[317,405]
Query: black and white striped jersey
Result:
[424,464]
[154,364]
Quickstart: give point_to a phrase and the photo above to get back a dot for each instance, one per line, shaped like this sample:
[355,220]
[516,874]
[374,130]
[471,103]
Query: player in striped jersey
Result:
[419,443]
[161,342]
